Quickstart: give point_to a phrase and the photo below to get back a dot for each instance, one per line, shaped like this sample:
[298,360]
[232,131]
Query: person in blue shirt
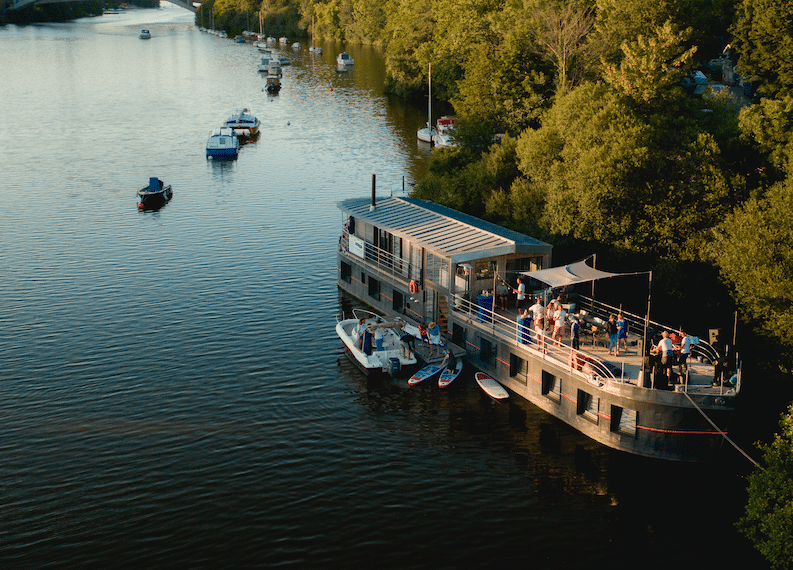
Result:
[435,337]
[622,333]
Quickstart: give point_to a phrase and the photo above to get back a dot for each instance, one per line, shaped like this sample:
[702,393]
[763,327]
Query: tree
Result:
[770,125]
[559,36]
[652,66]
[768,518]
[752,250]
[620,22]
[763,32]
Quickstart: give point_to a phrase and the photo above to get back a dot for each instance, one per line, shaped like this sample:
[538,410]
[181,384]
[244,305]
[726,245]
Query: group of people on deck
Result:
[672,346]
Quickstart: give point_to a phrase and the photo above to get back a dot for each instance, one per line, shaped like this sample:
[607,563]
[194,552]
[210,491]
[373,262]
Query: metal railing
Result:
[596,309]
[382,260]
[528,339]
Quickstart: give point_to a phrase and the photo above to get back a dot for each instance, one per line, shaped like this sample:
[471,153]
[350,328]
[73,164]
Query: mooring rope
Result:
[724,435]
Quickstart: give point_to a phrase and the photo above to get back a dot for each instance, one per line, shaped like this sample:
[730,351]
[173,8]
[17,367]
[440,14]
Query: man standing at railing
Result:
[574,328]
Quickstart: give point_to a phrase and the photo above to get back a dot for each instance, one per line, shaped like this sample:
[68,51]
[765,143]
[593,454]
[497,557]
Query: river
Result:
[172,390]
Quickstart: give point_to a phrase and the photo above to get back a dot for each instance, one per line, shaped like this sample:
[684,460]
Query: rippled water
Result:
[173,393]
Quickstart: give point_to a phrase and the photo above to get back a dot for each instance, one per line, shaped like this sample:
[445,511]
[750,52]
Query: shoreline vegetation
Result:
[657,134]
[62,11]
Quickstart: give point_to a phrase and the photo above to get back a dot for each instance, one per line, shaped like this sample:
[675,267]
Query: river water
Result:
[172,391]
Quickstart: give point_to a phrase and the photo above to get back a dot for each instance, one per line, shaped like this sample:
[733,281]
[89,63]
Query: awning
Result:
[578,272]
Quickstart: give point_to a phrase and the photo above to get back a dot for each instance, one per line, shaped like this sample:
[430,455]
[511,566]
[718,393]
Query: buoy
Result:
[414,287]
[140,206]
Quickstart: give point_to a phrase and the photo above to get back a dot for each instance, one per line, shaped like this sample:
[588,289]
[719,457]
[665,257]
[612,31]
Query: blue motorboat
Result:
[223,143]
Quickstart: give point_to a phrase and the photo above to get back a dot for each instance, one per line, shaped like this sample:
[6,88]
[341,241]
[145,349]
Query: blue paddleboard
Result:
[425,373]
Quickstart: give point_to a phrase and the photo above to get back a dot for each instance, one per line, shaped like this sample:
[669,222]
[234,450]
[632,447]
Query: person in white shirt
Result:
[521,293]
[539,313]
[559,319]
[685,350]
[665,348]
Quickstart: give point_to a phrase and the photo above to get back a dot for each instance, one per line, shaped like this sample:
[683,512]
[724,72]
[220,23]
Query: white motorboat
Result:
[243,123]
[344,59]
[446,131]
[364,353]
[316,50]
[296,45]
[145,35]
[222,143]
[264,66]
[283,41]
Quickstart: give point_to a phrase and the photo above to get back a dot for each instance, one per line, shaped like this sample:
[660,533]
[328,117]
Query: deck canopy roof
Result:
[441,230]
[578,272]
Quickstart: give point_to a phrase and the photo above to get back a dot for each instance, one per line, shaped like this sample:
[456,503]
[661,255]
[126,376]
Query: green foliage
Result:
[560,34]
[407,56]
[768,518]
[770,125]
[621,22]
[752,250]
[763,32]
[652,66]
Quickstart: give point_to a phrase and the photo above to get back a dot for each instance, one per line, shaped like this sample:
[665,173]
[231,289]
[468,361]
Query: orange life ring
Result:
[414,287]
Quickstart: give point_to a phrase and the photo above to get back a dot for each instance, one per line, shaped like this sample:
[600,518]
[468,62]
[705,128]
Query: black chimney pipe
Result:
[374,178]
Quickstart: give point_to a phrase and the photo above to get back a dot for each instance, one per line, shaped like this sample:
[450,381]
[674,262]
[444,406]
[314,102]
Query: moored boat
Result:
[155,195]
[222,143]
[145,35]
[243,123]
[344,59]
[632,402]
[273,84]
[445,132]
[363,349]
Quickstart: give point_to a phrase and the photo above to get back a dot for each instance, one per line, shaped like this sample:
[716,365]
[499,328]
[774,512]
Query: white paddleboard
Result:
[425,373]
[448,376]
[491,387]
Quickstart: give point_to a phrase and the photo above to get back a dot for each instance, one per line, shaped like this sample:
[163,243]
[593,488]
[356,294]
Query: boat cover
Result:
[578,272]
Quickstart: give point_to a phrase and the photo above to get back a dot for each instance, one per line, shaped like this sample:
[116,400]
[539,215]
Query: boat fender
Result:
[414,287]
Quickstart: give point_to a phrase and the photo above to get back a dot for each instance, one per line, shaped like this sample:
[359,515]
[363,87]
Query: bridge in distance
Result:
[17,4]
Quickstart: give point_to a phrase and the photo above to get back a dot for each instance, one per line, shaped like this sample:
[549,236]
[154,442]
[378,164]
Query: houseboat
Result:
[424,262]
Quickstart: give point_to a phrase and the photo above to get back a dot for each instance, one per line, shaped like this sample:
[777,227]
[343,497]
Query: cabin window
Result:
[623,421]
[588,406]
[399,301]
[458,334]
[222,141]
[518,368]
[551,386]
[346,272]
[486,350]
[374,288]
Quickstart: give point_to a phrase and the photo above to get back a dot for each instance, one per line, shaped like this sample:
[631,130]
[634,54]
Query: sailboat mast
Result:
[429,103]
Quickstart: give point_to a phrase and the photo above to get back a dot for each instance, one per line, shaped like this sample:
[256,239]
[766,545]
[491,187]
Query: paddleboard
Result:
[448,376]
[491,387]
[425,373]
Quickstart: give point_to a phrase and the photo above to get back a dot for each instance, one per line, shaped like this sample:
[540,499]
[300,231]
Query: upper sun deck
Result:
[445,232]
